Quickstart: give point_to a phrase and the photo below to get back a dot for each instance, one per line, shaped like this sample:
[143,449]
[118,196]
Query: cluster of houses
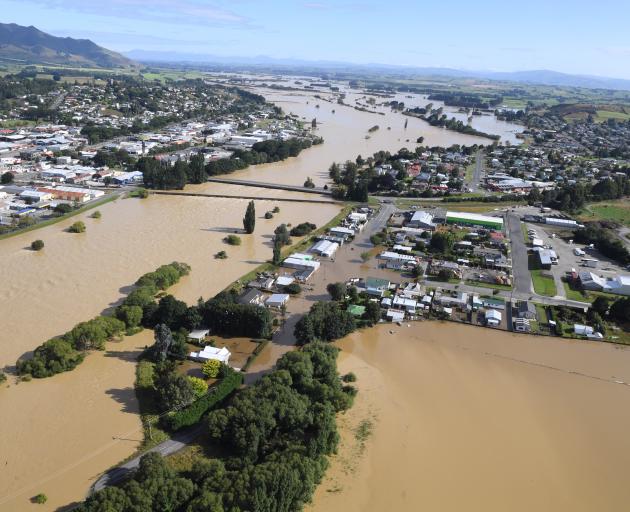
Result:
[481,244]
[440,172]
[413,301]
[554,159]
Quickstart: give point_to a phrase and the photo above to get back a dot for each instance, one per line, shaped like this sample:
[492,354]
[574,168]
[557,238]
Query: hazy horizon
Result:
[471,37]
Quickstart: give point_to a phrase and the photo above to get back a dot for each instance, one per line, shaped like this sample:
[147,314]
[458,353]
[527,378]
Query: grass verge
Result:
[543,285]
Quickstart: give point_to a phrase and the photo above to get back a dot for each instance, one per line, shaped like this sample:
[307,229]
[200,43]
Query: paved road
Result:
[278,186]
[176,443]
[521,276]
[476,178]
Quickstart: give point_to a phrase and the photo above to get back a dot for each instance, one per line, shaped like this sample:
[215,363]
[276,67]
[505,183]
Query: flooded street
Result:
[466,418]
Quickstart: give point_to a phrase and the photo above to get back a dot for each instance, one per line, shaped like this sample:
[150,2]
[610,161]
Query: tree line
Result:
[164,176]
[65,352]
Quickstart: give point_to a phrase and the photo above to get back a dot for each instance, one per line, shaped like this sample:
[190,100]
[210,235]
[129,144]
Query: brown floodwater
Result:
[60,433]
[345,131]
[466,418]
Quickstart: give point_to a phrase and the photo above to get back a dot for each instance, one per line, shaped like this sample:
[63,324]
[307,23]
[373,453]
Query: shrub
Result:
[232,240]
[365,256]
[200,386]
[96,215]
[349,377]
[293,288]
[40,499]
[37,245]
[276,209]
[302,229]
[268,215]
[193,413]
[211,368]
[63,208]
[221,255]
[3,377]
[77,227]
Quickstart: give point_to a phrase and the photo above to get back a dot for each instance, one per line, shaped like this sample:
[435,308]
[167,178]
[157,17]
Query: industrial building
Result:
[474,219]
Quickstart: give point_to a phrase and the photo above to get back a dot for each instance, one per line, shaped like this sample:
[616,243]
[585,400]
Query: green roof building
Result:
[474,219]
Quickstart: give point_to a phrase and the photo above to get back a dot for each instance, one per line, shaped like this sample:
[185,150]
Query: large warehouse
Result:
[474,219]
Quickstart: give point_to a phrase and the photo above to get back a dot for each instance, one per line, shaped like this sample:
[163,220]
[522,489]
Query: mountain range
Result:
[29,45]
[541,77]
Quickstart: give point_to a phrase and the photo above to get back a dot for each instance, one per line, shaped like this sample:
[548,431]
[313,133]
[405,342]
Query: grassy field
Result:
[543,285]
[619,211]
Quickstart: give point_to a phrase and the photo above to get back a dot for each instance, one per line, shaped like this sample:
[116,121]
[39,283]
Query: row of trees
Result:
[573,197]
[275,437]
[605,241]
[164,176]
[65,352]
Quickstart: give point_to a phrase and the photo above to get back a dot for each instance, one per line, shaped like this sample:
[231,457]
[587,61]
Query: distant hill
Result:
[541,77]
[32,46]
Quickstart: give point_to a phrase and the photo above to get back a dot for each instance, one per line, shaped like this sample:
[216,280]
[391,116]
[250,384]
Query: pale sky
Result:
[569,36]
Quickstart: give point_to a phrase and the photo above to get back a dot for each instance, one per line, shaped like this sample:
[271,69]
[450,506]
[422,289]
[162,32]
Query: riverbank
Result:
[61,218]
[474,419]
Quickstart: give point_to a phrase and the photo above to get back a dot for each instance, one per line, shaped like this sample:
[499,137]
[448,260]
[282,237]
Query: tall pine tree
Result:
[249,221]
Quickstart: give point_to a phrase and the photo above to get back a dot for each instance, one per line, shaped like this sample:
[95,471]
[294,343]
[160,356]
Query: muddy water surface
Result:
[466,418]
[57,434]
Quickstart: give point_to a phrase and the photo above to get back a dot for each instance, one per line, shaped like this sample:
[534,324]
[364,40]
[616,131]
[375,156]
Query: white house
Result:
[493,317]
[211,353]
[277,300]
[395,316]
[198,335]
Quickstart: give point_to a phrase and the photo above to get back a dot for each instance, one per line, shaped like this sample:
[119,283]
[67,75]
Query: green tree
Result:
[173,391]
[40,499]
[77,227]
[131,315]
[6,178]
[199,386]
[600,305]
[277,253]
[37,245]
[337,291]
[163,342]
[211,368]
[249,221]
[232,240]
[372,312]
[309,183]
[442,242]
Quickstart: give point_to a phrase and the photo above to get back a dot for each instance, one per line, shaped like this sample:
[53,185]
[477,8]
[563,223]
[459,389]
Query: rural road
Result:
[173,445]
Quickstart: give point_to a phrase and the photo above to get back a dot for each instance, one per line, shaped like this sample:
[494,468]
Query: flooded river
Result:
[59,433]
[345,132]
[466,418]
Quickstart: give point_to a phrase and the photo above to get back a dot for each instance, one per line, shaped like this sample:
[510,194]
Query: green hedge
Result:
[193,413]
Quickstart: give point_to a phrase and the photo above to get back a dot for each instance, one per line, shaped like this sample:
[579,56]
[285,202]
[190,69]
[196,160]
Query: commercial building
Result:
[421,220]
[325,248]
[474,219]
